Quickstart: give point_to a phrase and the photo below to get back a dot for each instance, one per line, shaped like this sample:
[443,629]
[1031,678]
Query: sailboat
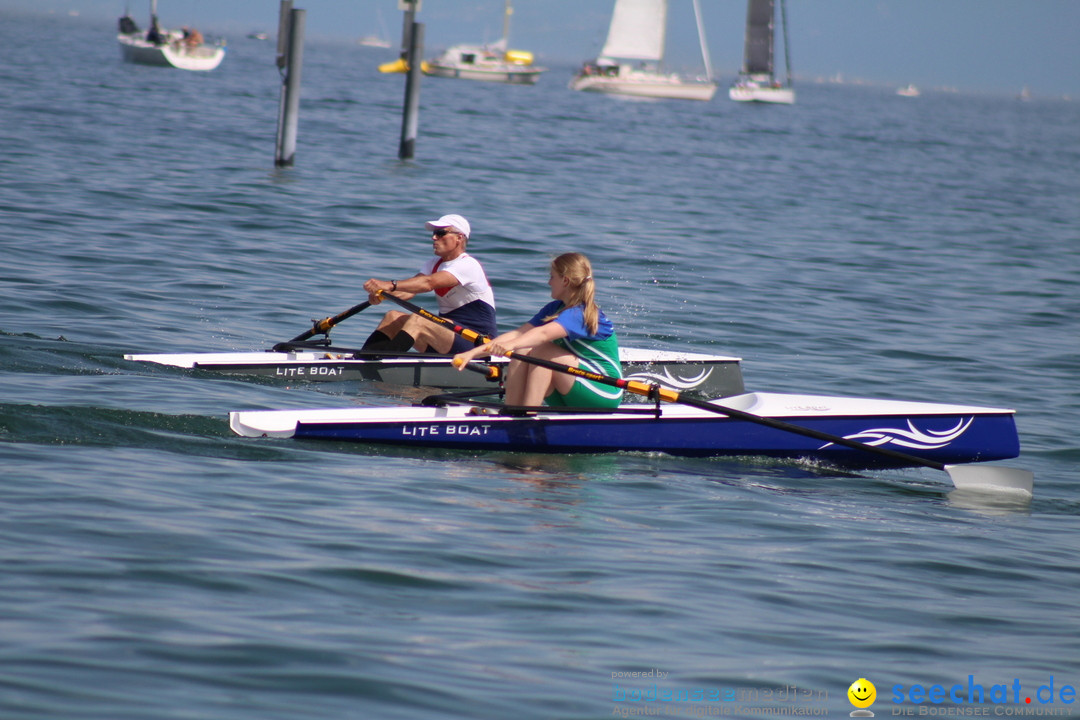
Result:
[757,80]
[183,49]
[381,40]
[637,33]
[490,63]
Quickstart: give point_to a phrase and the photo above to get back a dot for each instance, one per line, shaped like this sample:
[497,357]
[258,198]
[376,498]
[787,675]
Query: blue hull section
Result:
[950,439]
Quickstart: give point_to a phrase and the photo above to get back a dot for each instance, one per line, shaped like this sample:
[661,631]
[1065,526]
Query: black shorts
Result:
[461,345]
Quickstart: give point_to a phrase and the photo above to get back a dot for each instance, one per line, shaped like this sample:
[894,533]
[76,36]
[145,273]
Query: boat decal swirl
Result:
[668,380]
[912,438]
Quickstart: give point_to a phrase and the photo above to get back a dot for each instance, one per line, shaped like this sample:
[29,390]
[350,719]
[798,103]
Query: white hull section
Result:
[135,49]
[762,93]
[194,360]
[505,73]
[283,423]
[647,85]
[486,64]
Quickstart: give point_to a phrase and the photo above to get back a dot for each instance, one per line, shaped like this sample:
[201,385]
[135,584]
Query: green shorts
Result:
[586,393]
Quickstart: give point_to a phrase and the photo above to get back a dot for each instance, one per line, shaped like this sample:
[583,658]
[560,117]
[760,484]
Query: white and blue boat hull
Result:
[949,434]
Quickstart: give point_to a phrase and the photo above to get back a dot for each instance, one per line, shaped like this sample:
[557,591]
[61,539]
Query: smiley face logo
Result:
[862,693]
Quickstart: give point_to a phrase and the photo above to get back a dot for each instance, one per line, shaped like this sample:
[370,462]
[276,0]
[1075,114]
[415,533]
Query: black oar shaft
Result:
[323,326]
[810,432]
[461,330]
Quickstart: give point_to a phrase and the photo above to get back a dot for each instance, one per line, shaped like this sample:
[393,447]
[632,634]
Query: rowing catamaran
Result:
[848,432]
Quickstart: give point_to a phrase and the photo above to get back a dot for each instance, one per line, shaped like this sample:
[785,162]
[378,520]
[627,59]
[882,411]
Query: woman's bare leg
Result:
[528,384]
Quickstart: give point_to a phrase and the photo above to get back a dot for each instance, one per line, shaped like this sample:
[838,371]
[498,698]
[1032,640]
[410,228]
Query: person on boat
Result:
[461,288]
[570,330]
[127,25]
[154,34]
[192,38]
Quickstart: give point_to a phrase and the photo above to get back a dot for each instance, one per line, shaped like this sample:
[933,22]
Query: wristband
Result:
[393,285]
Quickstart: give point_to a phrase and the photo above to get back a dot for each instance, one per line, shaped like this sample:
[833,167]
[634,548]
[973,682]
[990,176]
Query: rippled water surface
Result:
[857,243]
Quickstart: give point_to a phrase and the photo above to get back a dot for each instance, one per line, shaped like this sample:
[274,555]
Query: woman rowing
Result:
[461,288]
[571,330]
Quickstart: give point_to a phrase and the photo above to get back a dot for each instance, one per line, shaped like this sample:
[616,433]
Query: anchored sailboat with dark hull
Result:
[757,80]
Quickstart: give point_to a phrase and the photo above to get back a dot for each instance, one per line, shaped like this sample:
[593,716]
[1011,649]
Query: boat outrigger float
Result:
[846,432]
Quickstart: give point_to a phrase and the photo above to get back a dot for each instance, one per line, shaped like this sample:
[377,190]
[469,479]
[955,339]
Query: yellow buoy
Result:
[519,57]
[398,66]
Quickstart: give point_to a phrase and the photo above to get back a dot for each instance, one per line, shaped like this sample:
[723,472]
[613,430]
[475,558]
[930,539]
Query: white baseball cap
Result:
[454,221]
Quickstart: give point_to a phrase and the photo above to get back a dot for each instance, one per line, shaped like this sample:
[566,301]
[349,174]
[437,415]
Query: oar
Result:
[321,327]
[963,476]
[445,322]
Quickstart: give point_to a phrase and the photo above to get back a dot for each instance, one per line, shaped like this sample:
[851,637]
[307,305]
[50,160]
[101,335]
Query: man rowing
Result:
[461,288]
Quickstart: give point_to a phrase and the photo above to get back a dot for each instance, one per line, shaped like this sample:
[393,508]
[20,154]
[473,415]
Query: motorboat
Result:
[487,63]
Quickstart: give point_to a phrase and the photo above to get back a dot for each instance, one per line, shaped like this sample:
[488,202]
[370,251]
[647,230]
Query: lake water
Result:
[857,243]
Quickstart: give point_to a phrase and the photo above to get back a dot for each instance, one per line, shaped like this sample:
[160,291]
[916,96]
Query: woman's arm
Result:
[484,350]
[528,336]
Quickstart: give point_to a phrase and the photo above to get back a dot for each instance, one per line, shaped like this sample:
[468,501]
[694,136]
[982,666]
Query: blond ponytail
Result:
[577,270]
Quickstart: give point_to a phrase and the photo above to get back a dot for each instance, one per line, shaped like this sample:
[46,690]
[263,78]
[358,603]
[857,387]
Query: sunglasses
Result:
[443,231]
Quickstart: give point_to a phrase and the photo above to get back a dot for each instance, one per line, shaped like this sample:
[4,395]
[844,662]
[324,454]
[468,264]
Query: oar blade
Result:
[991,477]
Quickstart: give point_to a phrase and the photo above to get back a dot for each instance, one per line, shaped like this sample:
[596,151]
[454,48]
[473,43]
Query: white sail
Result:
[637,30]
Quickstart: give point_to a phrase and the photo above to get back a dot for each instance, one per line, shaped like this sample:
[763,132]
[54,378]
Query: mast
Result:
[787,44]
[701,39]
[506,25]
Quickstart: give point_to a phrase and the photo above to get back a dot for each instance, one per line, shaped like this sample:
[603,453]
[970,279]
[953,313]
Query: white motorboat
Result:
[181,49]
[487,63]
[630,62]
[757,81]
